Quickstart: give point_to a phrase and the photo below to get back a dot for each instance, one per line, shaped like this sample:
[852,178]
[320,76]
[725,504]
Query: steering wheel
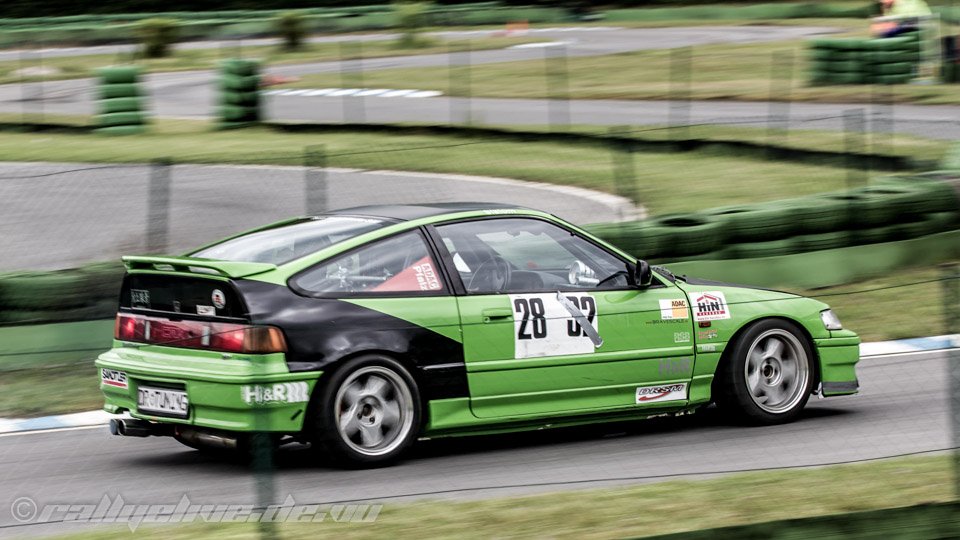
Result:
[493,275]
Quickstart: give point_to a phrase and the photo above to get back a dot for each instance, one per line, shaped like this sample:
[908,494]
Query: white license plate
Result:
[162,401]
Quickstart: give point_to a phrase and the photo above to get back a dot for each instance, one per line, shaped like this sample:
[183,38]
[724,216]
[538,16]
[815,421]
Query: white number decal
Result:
[543,327]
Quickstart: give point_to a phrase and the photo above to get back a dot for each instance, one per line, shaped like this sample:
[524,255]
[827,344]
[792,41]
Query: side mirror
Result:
[642,276]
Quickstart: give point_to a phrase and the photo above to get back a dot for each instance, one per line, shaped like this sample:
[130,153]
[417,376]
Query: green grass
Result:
[29,345]
[748,72]
[704,180]
[625,512]
[72,67]
[892,311]
[42,392]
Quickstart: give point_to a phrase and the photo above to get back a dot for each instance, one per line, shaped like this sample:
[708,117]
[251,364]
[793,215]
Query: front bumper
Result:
[839,355]
[243,393]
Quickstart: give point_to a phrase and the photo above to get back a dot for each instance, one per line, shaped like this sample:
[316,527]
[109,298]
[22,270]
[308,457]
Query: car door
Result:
[529,287]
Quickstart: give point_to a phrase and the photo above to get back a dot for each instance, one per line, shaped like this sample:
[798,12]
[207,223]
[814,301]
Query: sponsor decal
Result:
[542,326]
[666,392]
[206,310]
[420,276]
[709,347]
[704,335]
[673,309]
[666,321]
[219,299]
[673,367]
[681,337]
[709,306]
[112,377]
[291,392]
[139,298]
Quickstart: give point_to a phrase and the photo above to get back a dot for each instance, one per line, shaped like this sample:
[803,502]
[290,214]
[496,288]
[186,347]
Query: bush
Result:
[410,18]
[292,28]
[157,36]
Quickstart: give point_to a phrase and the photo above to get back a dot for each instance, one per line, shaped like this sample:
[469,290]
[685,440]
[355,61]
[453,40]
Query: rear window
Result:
[285,243]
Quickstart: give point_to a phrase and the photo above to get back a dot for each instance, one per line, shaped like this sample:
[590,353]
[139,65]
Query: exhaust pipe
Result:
[208,439]
[131,427]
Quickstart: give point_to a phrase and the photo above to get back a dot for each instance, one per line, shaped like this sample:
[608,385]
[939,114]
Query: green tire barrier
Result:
[893,208]
[864,61]
[756,250]
[690,234]
[240,104]
[80,294]
[120,107]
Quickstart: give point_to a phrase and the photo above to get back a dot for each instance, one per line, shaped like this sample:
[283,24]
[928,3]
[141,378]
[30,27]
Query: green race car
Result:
[360,330]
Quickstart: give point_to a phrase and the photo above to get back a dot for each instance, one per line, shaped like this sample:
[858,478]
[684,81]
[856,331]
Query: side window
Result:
[398,264]
[528,255]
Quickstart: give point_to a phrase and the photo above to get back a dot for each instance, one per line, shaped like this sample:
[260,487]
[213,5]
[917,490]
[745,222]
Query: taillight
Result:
[225,337]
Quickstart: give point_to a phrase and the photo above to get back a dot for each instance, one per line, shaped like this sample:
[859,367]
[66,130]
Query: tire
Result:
[744,390]
[759,250]
[119,74]
[120,119]
[397,386]
[236,66]
[823,241]
[120,105]
[118,90]
[692,234]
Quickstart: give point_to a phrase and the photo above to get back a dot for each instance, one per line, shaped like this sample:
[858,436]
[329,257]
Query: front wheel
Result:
[768,376]
[368,412]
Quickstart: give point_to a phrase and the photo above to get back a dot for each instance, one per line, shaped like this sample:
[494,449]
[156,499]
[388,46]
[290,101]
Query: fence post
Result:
[853,125]
[558,104]
[624,172]
[262,459]
[460,81]
[778,119]
[950,286]
[351,76]
[158,206]
[679,120]
[315,179]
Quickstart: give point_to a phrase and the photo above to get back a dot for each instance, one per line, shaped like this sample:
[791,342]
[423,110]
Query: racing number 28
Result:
[533,321]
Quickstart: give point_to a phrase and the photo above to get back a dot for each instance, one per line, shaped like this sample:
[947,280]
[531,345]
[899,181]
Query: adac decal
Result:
[667,392]
[112,377]
[291,392]
[673,309]
[709,306]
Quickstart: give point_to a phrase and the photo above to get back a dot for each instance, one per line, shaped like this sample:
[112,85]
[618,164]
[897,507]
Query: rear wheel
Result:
[768,376]
[368,412]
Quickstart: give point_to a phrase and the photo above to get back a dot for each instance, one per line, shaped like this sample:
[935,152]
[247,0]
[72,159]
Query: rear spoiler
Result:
[230,269]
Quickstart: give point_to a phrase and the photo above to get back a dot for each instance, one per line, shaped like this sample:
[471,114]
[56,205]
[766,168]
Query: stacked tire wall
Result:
[87,293]
[120,103]
[864,61]
[239,94]
[891,209]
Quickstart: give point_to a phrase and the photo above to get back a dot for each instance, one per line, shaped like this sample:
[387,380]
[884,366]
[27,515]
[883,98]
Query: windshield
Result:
[290,241]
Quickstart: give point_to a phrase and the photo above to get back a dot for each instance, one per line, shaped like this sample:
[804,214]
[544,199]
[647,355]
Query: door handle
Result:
[492,314]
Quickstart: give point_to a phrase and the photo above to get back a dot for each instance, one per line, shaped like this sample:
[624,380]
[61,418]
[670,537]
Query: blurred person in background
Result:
[898,17]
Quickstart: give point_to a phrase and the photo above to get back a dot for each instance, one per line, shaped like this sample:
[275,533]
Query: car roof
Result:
[409,212]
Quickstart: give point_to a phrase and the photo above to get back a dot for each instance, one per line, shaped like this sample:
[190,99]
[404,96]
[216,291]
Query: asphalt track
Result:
[903,408]
[81,213]
[191,94]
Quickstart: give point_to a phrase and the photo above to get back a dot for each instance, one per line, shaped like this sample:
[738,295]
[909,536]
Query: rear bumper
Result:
[240,393]
[839,355]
